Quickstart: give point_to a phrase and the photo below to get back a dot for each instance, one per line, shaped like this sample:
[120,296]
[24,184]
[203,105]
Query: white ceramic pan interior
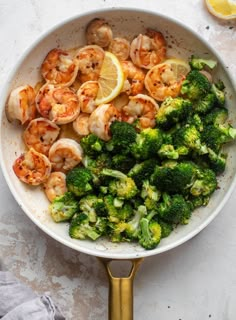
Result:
[182,42]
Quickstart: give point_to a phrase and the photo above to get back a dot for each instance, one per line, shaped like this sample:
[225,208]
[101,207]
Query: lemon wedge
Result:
[223,9]
[179,67]
[111,79]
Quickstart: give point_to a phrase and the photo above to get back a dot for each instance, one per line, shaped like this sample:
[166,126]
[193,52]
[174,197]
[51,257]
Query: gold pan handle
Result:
[121,291]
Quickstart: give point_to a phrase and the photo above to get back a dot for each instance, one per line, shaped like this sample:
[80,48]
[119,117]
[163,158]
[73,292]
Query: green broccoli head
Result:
[214,136]
[216,161]
[122,186]
[166,228]
[116,231]
[172,111]
[195,86]
[190,137]
[79,181]
[174,179]
[92,144]
[117,210]
[133,225]
[196,120]
[81,228]
[205,104]
[123,135]
[142,171]
[147,143]
[150,234]
[122,162]
[150,194]
[63,207]
[200,63]
[216,116]
[205,183]
[174,209]
[218,90]
[87,205]
[168,151]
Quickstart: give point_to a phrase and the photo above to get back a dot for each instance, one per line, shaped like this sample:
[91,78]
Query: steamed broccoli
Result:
[216,161]
[190,137]
[195,86]
[122,162]
[216,116]
[142,171]
[200,63]
[171,111]
[87,205]
[174,179]
[150,232]
[122,186]
[218,90]
[92,144]
[117,210]
[166,228]
[174,209]
[123,135]
[150,194]
[79,180]
[63,207]
[205,104]
[170,152]
[133,225]
[81,228]
[214,136]
[116,231]
[147,143]
[205,183]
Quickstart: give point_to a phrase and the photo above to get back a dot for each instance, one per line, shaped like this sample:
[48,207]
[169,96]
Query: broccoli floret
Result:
[92,144]
[123,135]
[79,180]
[196,202]
[174,209]
[88,205]
[200,63]
[205,104]
[116,231]
[142,171]
[150,194]
[112,211]
[166,228]
[196,120]
[117,210]
[216,161]
[170,152]
[218,90]
[217,116]
[214,136]
[133,226]
[147,143]
[150,232]
[205,183]
[190,137]
[82,228]
[122,162]
[63,207]
[122,186]
[174,179]
[195,86]
[172,111]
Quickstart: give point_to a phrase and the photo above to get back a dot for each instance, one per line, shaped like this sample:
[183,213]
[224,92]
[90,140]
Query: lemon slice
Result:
[223,9]
[179,67]
[111,79]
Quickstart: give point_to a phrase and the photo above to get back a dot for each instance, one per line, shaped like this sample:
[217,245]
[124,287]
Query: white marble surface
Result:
[194,281]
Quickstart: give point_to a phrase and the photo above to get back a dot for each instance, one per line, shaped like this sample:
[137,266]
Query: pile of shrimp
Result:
[57,113]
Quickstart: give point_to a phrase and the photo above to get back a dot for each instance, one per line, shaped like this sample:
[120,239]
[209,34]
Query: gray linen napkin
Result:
[18,302]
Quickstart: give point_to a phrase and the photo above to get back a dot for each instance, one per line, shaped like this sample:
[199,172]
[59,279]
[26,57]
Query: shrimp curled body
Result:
[134,78]
[86,95]
[99,32]
[65,154]
[143,108]
[58,104]
[21,104]
[81,124]
[148,50]
[59,68]
[55,185]
[40,134]
[101,119]
[32,167]
[120,47]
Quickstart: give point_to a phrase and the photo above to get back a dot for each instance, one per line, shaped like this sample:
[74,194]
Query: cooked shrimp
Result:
[134,78]
[90,59]
[40,134]
[21,104]
[100,120]
[32,167]
[143,108]
[58,104]
[148,50]
[120,47]
[81,124]
[86,95]
[55,185]
[65,154]
[99,32]
[161,82]
[59,68]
